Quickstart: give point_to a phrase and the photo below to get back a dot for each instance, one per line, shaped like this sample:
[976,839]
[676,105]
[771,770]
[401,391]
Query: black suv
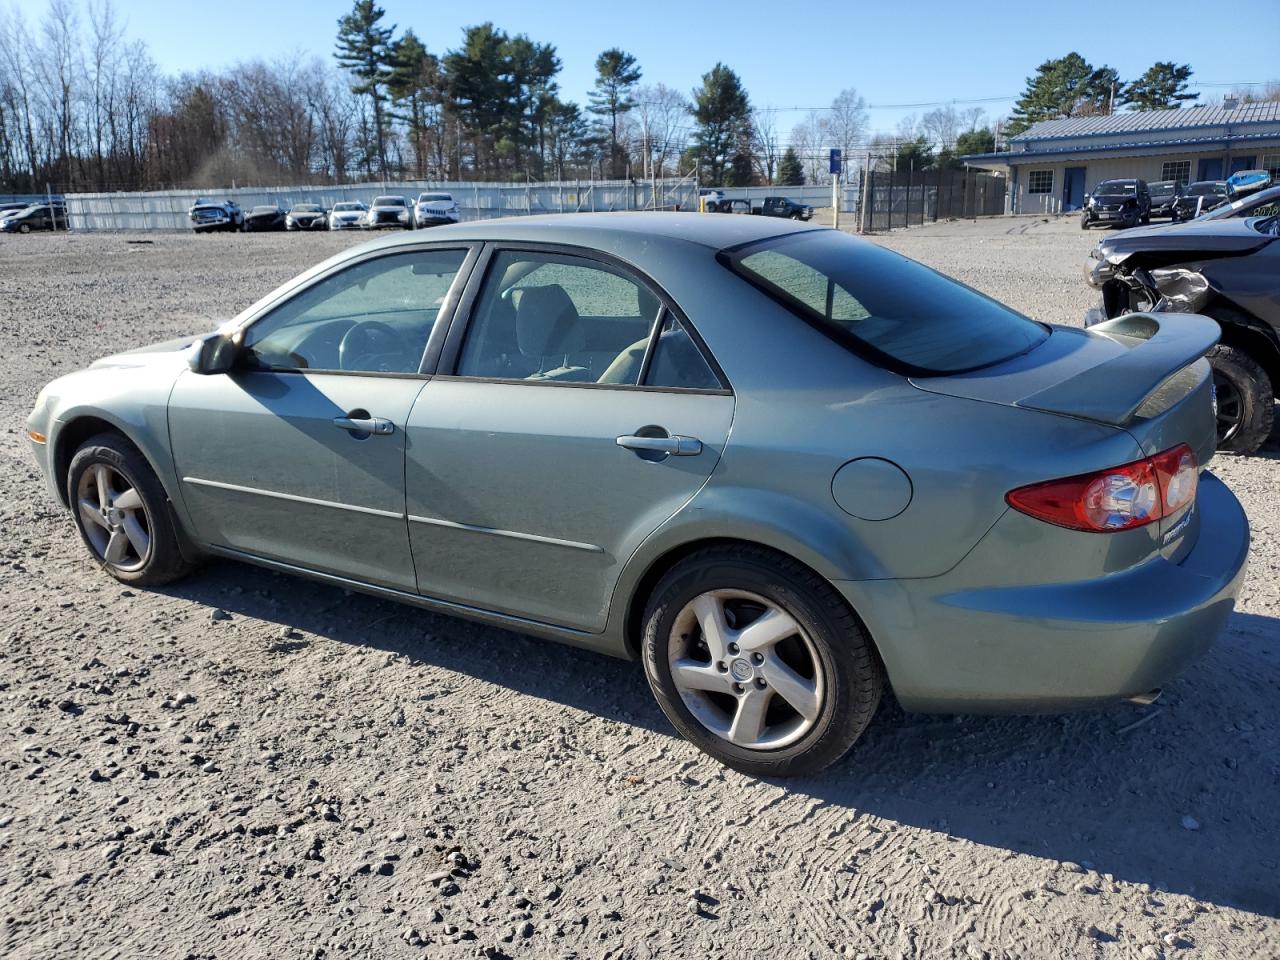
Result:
[1164,196]
[1201,197]
[1123,202]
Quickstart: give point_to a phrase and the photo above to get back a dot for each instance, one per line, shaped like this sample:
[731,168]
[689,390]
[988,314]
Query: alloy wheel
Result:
[1230,407]
[746,670]
[114,517]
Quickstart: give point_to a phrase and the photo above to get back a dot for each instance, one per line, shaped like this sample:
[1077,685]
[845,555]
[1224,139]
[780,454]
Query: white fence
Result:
[167,209]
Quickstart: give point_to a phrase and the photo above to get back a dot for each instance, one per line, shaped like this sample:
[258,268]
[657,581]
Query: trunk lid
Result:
[1142,373]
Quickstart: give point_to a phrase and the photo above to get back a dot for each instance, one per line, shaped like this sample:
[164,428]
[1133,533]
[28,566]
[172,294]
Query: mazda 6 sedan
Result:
[786,469]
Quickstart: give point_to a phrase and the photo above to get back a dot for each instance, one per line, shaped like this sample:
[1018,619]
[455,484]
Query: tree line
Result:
[83,108]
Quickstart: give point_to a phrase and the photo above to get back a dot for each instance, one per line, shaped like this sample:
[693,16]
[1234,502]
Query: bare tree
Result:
[58,64]
[765,148]
[661,115]
[845,124]
[807,138]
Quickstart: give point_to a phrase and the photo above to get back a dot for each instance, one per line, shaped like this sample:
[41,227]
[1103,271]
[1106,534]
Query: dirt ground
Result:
[250,765]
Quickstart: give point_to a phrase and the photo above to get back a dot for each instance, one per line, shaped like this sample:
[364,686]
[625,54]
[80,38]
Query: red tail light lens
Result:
[1118,498]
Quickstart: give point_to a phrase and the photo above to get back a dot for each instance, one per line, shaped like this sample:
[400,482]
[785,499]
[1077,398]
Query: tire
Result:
[1146,219]
[1245,400]
[127,471]
[841,679]
[1084,223]
[24,228]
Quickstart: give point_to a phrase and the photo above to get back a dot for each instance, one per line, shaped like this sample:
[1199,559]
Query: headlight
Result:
[403,214]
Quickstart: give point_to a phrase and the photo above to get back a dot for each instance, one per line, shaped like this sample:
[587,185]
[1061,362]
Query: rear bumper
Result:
[1047,647]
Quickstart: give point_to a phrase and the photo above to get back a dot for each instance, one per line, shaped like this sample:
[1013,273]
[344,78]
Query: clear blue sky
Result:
[893,53]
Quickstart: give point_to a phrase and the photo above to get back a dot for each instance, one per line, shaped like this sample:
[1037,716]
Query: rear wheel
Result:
[759,662]
[123,514]
[1245,400]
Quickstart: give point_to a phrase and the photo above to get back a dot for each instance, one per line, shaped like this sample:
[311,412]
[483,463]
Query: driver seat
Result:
[548,330]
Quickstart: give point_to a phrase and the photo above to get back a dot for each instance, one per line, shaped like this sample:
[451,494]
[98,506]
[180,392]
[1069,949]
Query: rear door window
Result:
[896,312]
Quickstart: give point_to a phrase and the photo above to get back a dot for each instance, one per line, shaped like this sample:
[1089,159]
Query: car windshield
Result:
[347,207]
[1116,188]
[1206,189]
[306,208]
[264,210]
[877,302]
[388,201]
[432,197]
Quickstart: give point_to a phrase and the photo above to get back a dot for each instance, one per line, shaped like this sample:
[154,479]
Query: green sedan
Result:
[787,470]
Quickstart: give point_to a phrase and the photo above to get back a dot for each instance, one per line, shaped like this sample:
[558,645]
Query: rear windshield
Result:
[881,304]
[1116,188]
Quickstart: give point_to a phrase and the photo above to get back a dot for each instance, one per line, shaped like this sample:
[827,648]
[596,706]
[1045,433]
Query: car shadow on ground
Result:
[1181,795]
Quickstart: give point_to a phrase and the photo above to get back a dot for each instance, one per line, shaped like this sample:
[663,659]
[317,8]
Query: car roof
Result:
[605,230]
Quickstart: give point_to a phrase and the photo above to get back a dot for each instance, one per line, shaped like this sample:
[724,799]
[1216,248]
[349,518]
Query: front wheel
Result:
[1245,400]
[1084,223]
[759,662]
[123,514]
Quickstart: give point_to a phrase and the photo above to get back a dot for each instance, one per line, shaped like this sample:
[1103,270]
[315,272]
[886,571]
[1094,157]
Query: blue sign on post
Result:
[835,160]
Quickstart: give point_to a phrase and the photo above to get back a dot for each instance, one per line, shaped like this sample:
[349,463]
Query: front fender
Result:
[137,406]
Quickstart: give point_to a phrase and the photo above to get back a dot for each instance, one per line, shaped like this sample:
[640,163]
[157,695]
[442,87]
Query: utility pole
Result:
[834,165]
[866,194]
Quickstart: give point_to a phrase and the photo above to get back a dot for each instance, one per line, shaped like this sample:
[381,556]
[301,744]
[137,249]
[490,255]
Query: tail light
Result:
[1118,498]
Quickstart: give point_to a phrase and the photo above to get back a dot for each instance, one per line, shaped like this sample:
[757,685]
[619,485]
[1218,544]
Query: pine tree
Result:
[365,49]
[1065,87]
[790,170]
[616,78]
[1162,87]
[722,112]
[415,86]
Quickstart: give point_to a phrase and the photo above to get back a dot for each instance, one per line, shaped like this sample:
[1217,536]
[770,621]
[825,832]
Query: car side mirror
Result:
[215,353]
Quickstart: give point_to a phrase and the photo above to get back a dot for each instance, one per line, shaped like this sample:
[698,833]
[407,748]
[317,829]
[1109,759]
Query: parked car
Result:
[711,199]
[527,422]
[1164,194]
[1227,269]
[389,211]
[434,209]
[1123,202]
[782,207]
[1200,197]
[265,217]
[307,216]
[1261,203]
[348,215]
[208,216]
[37,216]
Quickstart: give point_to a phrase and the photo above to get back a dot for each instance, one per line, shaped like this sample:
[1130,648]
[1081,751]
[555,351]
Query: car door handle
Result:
[374,425]
[673,446]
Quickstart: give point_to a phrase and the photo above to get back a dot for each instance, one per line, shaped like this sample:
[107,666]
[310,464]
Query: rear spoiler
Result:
[1159,346]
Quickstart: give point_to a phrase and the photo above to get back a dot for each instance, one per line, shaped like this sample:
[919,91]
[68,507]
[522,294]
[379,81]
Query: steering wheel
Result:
[360,348]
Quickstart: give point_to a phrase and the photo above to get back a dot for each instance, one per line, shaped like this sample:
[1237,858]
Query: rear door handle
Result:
[374,425]
[672,446]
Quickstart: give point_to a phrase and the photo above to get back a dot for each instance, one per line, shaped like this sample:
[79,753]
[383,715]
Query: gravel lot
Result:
[251,765]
